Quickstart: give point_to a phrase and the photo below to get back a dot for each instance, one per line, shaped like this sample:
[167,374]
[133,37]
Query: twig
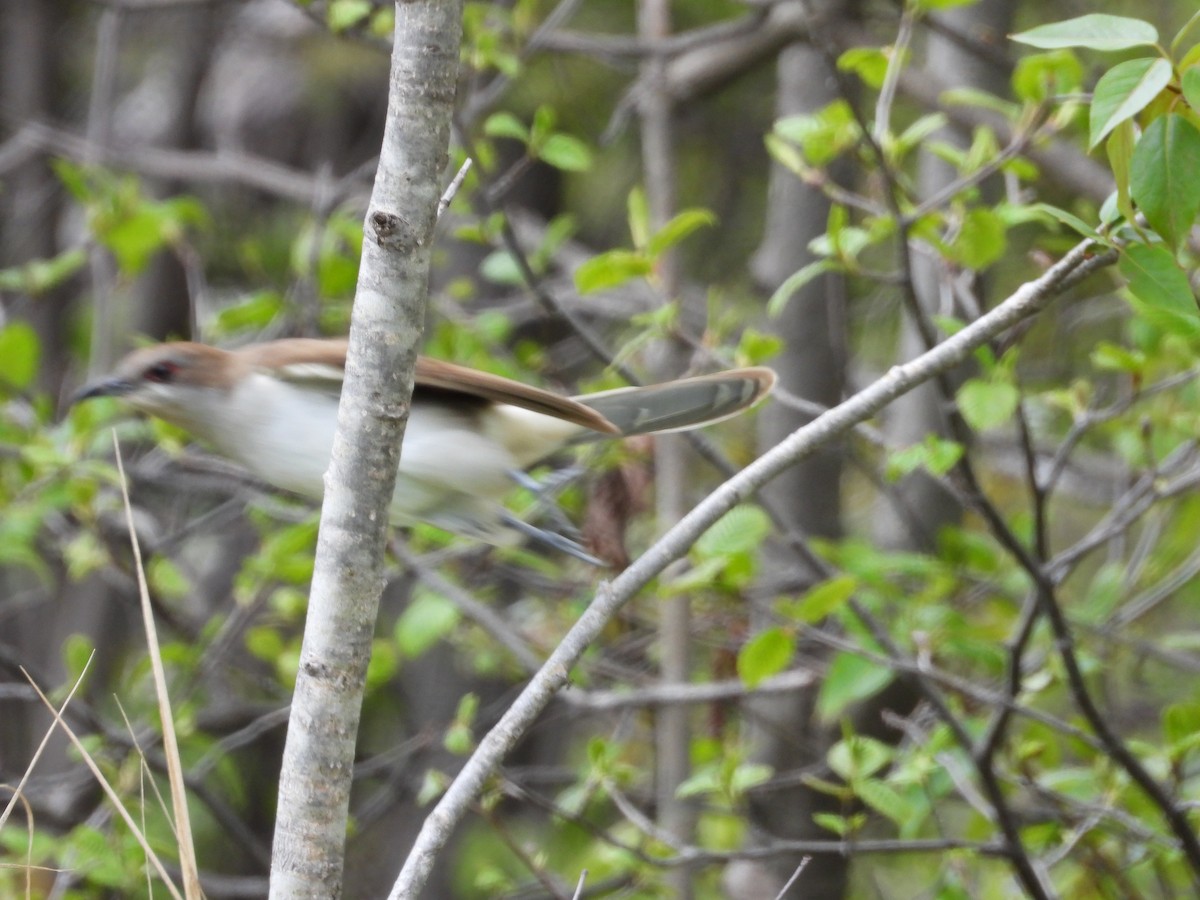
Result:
[677,694]
[583,874]
[795,877]
[452,188]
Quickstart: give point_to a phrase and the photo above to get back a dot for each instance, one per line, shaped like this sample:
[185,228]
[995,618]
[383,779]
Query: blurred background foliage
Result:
[200,170]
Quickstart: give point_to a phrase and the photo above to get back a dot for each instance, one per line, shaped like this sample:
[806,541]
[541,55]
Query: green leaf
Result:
[166,579]
[1156,279]
[839,825]
[254,313]
[1181,725]
[1069,219]
[757,347]
[459,738]
[883,798]
[105,866]
[982,239]
[1095,31]
[937,5]
[920,131]
[75,179]
[611,269]
[344,14]
[135,238]
[428,618]
[987,404]
[506,125]
[264,642]
[19,354]
[858,756]
[849,679]
[868,63]
[678,228]
[822,600]
[767,653]
[76,651]
[544,119]
[983,99]
[1191,87]
[383,664]
[500,267]
[337,275]
[1043,76]
[1186,325]
[84,554]
[934,454]
[696,578]
[1124,91]
[1109,357]
[821,136]
[1106,590]
[795,282]
[638,213]
[433,785]
[565,152]
[1119,149]
[747,776]
[701,783]
[1165,176]
[41,275]
[740,530]
[383,22]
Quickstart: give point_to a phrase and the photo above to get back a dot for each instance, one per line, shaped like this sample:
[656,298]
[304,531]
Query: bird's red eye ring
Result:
[162,372]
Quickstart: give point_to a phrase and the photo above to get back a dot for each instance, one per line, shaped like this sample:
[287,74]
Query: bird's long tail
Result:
[683,404]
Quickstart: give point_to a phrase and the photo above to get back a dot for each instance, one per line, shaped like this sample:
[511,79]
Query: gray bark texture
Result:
[385,335]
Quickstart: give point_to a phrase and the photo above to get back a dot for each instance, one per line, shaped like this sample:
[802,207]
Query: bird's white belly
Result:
[450,473]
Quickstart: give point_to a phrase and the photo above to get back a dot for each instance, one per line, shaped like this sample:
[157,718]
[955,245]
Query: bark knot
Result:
[393,231]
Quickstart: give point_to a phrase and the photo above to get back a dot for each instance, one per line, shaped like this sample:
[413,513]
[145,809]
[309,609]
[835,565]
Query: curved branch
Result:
[1026,301]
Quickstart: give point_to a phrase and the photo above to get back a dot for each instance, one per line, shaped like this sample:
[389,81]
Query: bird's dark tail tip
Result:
[684,404]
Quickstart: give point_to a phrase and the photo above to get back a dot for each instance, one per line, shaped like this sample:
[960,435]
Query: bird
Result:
[272,408]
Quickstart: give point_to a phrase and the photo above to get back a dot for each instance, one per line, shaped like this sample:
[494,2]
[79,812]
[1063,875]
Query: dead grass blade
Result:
[183,824]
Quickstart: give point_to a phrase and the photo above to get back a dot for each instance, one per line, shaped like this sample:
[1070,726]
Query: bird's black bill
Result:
[112,387]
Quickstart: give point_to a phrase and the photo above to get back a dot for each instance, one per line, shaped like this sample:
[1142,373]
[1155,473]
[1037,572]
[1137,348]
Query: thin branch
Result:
[677,694]
[453,186]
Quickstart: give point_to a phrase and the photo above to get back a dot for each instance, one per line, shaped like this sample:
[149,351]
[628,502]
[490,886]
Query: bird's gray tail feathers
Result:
[684,404]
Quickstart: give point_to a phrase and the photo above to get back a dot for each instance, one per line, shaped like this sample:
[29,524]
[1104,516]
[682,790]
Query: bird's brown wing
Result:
[320,364]
[435,375]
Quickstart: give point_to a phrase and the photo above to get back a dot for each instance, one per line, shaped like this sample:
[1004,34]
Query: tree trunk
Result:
[385,336]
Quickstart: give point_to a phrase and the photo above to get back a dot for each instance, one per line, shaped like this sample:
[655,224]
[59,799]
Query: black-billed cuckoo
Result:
[273,408]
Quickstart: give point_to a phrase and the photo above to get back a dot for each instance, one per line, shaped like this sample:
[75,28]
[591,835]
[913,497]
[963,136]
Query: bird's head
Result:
[166,380]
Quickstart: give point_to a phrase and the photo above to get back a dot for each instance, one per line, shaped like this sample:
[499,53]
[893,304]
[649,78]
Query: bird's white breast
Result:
[284,434]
